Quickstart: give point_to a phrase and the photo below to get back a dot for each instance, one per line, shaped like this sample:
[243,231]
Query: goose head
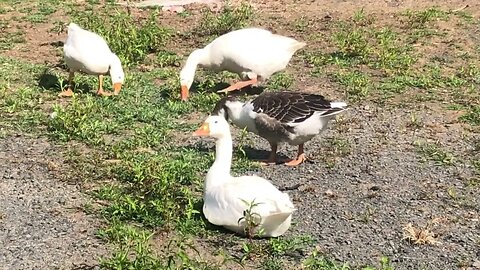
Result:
[116,73]
[187,74]
[229,107]
[214,126]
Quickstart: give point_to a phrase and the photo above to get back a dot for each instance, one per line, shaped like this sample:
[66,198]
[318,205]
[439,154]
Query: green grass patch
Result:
[472,116]
[8,40]
[434,152]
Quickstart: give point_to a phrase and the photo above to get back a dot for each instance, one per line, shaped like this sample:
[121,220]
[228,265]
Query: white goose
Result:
[253,53]
[226,197]
[290,117]
[88,52]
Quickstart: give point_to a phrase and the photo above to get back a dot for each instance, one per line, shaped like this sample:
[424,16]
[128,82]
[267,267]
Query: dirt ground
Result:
[357,208]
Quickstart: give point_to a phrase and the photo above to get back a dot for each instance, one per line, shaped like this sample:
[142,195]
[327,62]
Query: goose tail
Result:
[298,45]
[73,26]
[338,105]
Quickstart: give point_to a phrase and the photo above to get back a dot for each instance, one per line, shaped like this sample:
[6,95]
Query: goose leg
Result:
[300,157]
[100,91]
[238,85]
[68,92]
[272,158]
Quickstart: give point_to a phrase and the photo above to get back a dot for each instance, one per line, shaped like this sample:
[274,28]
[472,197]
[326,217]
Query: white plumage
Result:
[253,53]
[227,197]
[87,52]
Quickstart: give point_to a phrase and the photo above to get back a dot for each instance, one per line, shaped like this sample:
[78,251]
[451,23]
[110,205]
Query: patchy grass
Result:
[227,19]
[378,61]
[434,152]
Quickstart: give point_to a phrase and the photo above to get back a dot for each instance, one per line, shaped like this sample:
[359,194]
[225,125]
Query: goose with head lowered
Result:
[227,199]
[87,52]
[253,53]
[290,117]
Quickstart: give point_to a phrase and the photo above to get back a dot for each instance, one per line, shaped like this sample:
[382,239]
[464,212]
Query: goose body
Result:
[226,198]
[290,117]
[87,52]
[253,53]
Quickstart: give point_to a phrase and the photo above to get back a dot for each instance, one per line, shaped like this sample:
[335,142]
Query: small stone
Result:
[329,193]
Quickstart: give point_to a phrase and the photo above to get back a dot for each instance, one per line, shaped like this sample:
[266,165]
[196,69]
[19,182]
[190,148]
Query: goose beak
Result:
[116,88]
[184,93]
[203,130]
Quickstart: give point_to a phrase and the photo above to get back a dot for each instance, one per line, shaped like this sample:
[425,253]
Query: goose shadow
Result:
[259,154]
[53,83]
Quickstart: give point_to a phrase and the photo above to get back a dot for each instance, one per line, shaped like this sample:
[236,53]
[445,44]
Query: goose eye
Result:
[216,122]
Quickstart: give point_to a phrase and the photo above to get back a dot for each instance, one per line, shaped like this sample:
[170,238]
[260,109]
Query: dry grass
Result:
[419,236]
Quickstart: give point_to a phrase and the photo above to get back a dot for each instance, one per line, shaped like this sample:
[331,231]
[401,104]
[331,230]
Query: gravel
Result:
[41,224]
[357,208]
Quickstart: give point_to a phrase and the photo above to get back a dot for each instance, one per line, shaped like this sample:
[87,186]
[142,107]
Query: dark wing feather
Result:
[288,107]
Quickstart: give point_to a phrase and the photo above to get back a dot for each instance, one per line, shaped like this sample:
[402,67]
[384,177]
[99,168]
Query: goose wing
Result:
[226,206]
[291,107]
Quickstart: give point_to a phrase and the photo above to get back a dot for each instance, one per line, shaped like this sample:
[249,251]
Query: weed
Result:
[9,39]
[243,140]
[82,120]
[228,19]
[250,220]
[283,246]
[318,262]
[301,24]
[434,153]
[167,58]
[358,84]
[420,19]
[472,116]
[391,56]
[280,81]
[414,122]
[352,43]
[385,264]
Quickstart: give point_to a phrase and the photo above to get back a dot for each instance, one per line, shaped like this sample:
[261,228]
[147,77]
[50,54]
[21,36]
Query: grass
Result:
[379,61]
[134,149]
[434,152]
[227,19]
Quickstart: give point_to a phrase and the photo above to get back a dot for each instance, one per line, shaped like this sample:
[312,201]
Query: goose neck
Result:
[220,171]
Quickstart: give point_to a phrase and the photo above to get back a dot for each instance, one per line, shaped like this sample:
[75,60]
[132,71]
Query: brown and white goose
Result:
[290,117]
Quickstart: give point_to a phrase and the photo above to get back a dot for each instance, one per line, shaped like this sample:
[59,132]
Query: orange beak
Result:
[116,88]
[184,93]
[203,130]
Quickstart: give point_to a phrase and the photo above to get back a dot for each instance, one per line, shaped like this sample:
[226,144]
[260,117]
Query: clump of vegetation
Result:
[433,152]
[228,19]
[130,39]
[472,116]
[421,18]
[280,81]
[419,236]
